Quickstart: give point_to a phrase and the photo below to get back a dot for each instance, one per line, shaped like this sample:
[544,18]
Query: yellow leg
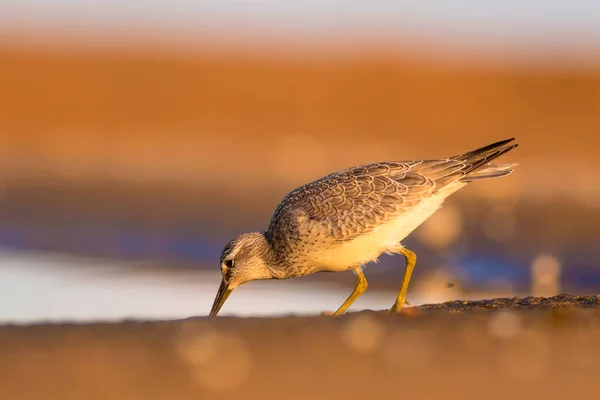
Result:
[361,286]
[411,259]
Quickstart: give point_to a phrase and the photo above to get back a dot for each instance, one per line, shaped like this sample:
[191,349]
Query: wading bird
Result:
[349,218]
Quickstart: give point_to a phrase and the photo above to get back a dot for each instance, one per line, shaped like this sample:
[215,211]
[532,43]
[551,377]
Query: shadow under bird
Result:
[349,218]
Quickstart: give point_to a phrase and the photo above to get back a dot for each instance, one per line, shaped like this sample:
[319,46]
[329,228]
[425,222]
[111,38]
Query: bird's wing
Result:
[352,202]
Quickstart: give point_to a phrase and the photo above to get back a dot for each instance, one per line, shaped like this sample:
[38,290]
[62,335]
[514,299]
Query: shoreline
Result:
[536,347]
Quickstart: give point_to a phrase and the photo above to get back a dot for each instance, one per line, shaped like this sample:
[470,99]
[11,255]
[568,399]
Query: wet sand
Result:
[502,348]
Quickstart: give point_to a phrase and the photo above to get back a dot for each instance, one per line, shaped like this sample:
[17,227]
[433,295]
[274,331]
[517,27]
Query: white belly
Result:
[385,238]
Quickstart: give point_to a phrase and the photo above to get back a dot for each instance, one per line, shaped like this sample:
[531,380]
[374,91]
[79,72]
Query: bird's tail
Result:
[478,165]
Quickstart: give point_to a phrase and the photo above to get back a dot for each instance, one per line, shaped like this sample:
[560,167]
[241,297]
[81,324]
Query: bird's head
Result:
[244,259]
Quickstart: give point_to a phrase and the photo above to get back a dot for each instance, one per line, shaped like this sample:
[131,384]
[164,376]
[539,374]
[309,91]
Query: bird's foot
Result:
[398,306]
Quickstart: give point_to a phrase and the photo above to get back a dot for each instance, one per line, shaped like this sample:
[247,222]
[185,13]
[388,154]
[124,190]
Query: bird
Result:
[349,218]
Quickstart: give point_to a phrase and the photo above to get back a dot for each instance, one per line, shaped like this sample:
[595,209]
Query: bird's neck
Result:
[266,262]
[277,265]
[275,260]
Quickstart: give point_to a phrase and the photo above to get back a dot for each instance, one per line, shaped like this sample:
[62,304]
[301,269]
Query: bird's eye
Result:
[229,263]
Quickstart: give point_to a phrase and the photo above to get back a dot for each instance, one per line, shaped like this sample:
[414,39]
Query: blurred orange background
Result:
[198,137]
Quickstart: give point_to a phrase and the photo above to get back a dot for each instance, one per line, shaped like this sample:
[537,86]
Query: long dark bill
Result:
[220,298]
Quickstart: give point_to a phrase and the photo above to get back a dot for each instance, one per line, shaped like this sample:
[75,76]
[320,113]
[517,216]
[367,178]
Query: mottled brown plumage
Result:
[350,217]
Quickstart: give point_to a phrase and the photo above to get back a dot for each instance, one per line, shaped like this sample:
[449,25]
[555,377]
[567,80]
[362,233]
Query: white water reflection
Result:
[38,288]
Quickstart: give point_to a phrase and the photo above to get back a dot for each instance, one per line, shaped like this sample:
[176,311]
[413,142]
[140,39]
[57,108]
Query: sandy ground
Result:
[518,348]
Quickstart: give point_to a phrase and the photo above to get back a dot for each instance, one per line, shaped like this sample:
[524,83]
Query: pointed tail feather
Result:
[482,150]
[492,171]
[478,164]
